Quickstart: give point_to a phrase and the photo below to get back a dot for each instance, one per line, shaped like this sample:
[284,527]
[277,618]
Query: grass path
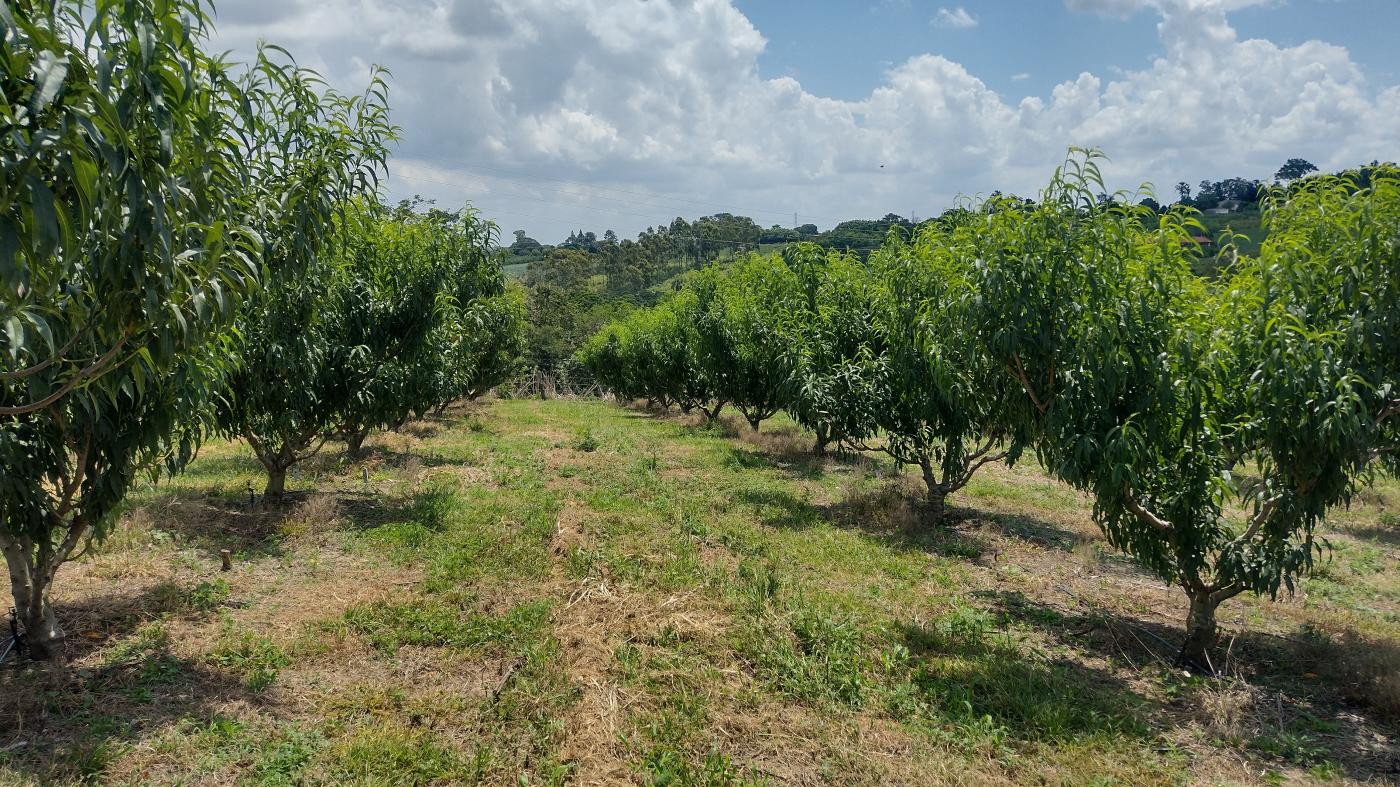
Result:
[533,592]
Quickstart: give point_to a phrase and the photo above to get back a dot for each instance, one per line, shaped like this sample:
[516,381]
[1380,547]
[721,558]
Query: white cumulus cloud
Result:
[553,115]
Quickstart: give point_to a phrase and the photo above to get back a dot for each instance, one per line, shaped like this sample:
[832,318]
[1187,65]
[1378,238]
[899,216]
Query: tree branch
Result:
[1131,503]
[92,370]
[257,446]
[79,473]
[975,466]
[861,445]
[1222,593]
[1020,373]
[77,528]
[1392,408]
[306,439]
[20,374]
[1260,518]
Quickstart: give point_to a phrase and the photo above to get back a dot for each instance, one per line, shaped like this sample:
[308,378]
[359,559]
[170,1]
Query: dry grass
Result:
[663,602]
[1228,710]
[315,516]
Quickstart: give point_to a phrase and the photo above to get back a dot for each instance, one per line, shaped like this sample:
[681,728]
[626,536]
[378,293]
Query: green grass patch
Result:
[437,622]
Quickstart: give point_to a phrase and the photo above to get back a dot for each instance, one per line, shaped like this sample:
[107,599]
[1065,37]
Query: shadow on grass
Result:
[94,623]
[900,524]
[784,446]
[210,523]
[64,725]
[893,515]
[424,429]
[1046,535]
[976,675]
[1387,532]
[1310,698]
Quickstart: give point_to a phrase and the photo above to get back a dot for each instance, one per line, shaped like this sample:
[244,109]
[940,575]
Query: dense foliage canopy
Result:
[127,242]
[185,244]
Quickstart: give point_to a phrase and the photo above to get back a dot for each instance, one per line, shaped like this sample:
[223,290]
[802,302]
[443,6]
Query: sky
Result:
[554,115]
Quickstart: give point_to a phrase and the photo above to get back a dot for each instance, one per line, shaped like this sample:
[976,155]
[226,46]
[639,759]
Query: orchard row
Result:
[194,247]
[1215,421]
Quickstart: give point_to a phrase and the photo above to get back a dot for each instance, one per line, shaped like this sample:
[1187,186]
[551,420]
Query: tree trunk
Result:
[1200,633]
[937,501]
[276,481]
[937,495]
[355,444]
[823,438]
[29,584]
[712,416]
[43,637]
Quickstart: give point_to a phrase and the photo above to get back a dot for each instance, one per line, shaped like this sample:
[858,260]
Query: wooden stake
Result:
[226,557]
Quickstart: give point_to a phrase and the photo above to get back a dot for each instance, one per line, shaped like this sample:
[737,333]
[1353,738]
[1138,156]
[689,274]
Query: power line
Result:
[575,220]
[502,174]
[578,221]
[515,176]
[648,216]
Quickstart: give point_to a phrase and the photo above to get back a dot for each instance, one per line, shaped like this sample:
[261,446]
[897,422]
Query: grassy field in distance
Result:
[548,592]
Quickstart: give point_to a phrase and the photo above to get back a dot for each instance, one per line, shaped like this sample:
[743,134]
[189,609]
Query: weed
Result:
[142,663]
[319,513]
[758,583]
[90,763]
[1090,554]
[665,766]
[256,659]
[1326,771]
[822,660]
[586,441]
[1225,708]
[1296,748]
[435,622]
[208,595]
[391,753]
[963,629]
[1364,670]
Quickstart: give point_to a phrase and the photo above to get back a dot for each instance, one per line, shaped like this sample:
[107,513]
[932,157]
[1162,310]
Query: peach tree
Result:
[411,291]
[834,345]
[1214,423]
[127,244]
[297,374]
[932,394]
